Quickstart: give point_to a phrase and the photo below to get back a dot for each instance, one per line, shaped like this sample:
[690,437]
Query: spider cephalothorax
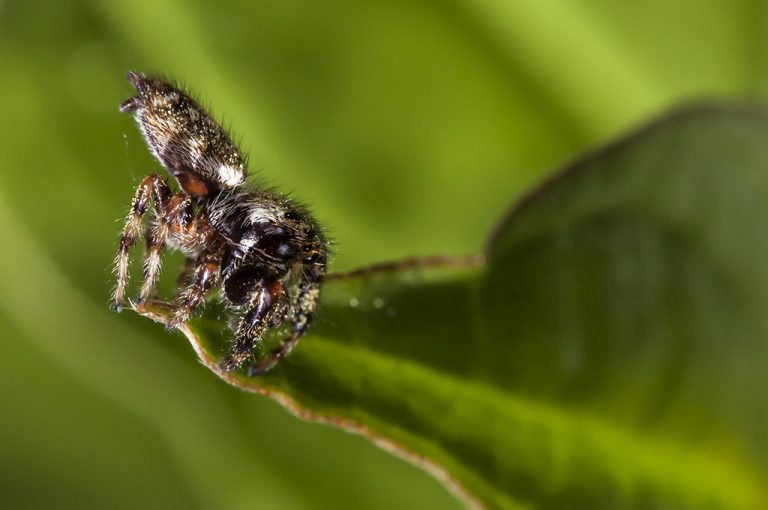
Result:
[265,252]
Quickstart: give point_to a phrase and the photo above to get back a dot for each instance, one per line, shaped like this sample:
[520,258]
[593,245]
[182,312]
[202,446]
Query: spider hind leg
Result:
[152,189]
[204,277]
[174,217]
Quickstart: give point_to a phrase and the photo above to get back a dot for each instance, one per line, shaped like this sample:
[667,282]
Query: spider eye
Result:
[311,254]
[291,216]
[285,250]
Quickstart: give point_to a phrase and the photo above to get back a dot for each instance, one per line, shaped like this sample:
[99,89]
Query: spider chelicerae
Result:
[263,250]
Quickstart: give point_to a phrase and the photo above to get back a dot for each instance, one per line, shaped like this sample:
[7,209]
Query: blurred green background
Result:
[409,126]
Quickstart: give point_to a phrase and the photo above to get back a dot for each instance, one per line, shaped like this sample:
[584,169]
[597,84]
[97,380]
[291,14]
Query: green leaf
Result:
[610,352]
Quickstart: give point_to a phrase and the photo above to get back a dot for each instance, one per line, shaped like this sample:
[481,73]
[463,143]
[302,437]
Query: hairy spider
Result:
[264,251]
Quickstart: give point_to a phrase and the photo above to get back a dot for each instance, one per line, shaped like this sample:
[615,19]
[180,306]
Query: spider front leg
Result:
[264,304]
[306,302]
[152,188]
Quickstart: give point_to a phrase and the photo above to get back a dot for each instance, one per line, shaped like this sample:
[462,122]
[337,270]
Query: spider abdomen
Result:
[184,138]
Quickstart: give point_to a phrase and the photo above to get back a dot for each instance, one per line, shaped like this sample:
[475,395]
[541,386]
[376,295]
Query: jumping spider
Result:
[265,252]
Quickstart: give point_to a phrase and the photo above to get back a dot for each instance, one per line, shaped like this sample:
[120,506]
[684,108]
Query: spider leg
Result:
[156,235]
[256,321]
[204,277]
[175,215]
[152,188]
[306,301]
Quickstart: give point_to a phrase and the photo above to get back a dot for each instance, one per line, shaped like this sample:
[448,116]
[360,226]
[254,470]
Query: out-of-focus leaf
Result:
[610,353]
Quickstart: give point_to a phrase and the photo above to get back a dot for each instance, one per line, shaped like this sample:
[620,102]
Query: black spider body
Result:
[265,252]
